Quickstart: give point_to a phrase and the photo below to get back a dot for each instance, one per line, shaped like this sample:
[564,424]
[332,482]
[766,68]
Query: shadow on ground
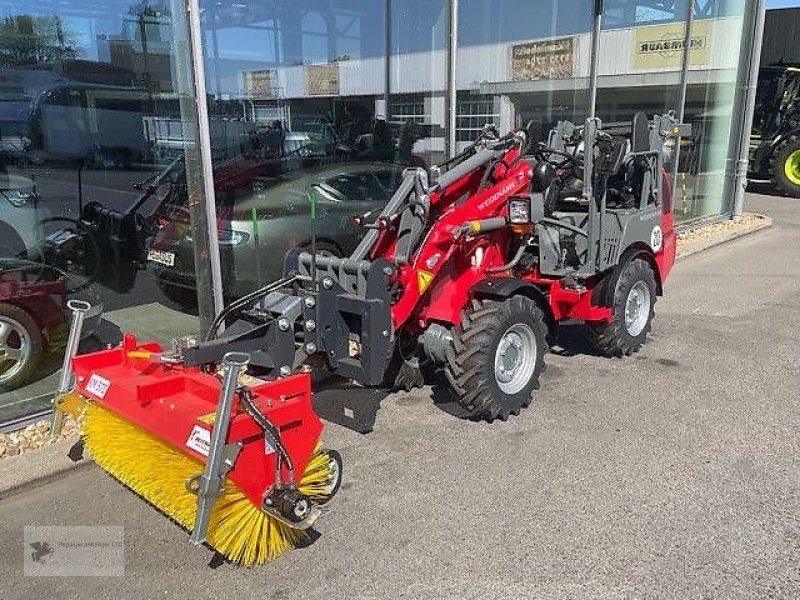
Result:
[354,407]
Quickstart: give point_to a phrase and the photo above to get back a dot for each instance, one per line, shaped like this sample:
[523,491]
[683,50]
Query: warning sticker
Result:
[424,279]
[98,385]
[199,440]
[207,419]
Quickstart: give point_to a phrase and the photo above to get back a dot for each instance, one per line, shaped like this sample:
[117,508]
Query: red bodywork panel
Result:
[172,401]
[454,266]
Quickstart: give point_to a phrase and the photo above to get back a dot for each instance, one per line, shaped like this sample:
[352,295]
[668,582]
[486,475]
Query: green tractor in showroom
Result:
[775,139]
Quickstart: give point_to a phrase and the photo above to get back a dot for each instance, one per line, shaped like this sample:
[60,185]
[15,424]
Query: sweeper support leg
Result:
[221,455]
[79,309]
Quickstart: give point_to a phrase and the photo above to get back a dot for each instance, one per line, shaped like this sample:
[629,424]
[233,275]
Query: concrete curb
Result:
[762,222]
[18,473]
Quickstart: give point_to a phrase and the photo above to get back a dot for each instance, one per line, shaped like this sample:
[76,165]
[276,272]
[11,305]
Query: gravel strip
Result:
[35,436]
[712,234]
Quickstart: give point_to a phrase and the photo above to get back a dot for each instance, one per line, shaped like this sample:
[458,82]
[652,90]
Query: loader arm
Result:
[464,258]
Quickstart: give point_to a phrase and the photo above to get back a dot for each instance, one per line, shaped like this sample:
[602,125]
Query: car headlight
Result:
[233,238]
[17,198]
[519,210]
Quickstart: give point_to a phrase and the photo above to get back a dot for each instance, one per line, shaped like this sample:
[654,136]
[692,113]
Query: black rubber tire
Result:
[29,368]
[177,297]
[405,370]
[470,360]
[613,339]
[326,249]
[776,167]
[333,454]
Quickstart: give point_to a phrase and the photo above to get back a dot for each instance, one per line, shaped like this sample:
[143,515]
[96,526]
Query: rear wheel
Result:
[21,346]
[632,310]
[785,167]
[497,357]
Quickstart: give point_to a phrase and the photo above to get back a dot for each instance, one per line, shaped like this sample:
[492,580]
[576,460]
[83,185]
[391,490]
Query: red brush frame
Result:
[169,401]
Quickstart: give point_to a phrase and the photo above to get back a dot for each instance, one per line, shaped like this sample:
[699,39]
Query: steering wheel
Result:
[81,262]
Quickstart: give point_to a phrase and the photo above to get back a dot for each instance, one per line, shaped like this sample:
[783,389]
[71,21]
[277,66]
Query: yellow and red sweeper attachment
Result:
[218,457]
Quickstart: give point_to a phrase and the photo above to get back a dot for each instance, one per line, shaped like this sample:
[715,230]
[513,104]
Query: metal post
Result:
[595,58]
[589,139]
[750,58]
[684,84]
[387,93]
[210,484]
[452,62]
[79,309]
[204,143]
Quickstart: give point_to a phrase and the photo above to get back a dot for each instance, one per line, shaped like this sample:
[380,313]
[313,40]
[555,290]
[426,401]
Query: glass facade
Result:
[312,105]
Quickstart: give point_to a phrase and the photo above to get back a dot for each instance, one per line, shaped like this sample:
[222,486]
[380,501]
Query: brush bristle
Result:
[156,471]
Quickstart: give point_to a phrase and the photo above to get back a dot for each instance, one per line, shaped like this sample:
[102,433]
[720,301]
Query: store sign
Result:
[661,46]
[322,80]
[552,59]
[260,84]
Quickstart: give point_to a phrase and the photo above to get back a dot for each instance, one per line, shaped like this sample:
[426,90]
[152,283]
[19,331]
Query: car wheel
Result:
[326,249]
[180,298]
[21,345]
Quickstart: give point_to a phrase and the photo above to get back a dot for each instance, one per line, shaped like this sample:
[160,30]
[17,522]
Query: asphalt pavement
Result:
[671,474]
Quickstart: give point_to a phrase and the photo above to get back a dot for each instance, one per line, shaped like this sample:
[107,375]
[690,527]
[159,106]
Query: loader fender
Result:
[502,288]
[603,294]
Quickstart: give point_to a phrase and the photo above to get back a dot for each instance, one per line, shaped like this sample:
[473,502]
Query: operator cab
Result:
[587,227]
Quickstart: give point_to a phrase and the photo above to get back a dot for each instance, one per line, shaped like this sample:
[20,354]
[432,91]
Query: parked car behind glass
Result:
[262,225]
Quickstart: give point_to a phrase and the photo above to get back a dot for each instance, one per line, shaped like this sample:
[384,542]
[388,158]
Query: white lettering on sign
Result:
[656,238]
[98,385]
[199,440]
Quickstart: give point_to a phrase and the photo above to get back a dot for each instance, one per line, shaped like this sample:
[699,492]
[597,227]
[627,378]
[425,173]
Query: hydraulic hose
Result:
[244,301]
[272,431]
[514,261]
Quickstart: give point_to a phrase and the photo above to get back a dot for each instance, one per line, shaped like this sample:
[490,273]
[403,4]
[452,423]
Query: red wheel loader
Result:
[469,267]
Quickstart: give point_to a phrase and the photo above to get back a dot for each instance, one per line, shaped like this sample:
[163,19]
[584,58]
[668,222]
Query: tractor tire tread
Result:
[612,339]
[468,357]
[776,166]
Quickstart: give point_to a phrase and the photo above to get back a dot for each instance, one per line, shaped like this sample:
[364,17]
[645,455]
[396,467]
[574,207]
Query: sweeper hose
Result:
[238,530]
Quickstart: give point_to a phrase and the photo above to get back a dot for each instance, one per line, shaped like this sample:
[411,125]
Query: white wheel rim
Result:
[637,308]
[335,473]
[515,358]
[15,348]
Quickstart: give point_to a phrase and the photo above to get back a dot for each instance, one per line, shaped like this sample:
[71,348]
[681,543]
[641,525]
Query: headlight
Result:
[17,198]
[519,210]
[233,238]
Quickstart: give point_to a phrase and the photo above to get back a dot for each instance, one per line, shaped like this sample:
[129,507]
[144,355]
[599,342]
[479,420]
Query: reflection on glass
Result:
[88,114]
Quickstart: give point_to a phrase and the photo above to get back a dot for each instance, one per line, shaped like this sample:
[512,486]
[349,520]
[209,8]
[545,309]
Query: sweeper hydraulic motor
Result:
[468,268]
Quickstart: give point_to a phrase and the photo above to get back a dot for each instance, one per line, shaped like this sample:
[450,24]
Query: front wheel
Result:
[497,356]
[632,310]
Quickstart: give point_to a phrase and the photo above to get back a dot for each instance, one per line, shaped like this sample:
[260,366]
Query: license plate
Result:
[162,257]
